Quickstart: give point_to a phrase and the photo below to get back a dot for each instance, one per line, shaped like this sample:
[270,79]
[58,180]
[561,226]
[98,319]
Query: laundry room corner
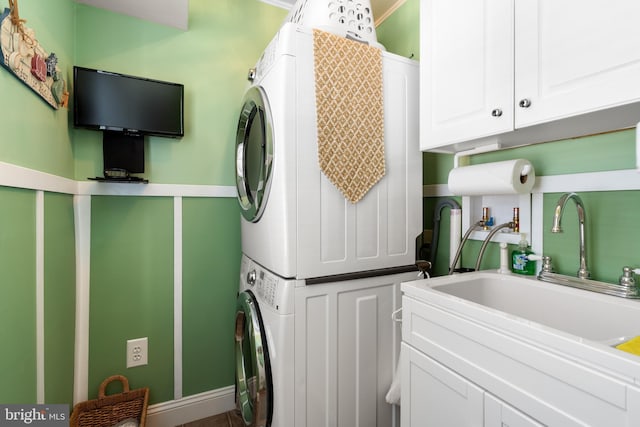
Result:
[399,33]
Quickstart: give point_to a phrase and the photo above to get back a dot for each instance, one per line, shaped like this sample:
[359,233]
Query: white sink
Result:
[589,315]
[542,348]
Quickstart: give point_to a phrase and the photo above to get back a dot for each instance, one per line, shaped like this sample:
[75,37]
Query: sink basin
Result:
[593,316]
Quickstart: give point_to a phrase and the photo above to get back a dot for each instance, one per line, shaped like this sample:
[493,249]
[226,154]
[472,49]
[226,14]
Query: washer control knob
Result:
[251,278]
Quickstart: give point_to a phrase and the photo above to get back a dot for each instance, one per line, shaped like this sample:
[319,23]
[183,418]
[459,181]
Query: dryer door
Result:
[254,153]
[253,373]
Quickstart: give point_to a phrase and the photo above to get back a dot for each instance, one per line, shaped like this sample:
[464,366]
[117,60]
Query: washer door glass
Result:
[254,396]
[254,153]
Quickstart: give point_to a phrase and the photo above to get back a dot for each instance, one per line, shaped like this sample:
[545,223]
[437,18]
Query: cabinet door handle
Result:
[525,103]
[496,112]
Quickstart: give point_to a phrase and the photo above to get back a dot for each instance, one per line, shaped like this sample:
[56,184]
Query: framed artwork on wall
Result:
[23,56]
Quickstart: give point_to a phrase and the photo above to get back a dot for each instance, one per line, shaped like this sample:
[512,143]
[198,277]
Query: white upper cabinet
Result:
[466,70]
[548,69]
[575,56]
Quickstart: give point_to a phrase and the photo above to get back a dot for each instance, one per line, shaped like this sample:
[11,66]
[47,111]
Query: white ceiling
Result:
[175,13]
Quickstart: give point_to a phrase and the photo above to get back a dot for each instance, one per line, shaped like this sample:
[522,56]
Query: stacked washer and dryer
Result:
[320,276]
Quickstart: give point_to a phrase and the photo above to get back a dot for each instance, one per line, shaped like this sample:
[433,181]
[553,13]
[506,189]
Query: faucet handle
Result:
[628,277]
[547,266]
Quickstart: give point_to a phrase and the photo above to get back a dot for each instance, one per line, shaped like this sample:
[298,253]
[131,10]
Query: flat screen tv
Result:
[126,108]
[104,100]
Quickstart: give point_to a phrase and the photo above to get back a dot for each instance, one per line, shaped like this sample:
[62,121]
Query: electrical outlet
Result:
[137,352]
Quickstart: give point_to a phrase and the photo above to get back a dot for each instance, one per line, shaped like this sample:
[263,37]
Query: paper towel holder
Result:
[524,173]
[502,205]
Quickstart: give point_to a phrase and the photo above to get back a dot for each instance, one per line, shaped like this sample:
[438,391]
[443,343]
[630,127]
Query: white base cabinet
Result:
[465,366]
[440,397]
[433,395]
[499,414]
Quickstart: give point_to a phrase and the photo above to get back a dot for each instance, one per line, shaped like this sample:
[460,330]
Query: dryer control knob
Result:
[251,278]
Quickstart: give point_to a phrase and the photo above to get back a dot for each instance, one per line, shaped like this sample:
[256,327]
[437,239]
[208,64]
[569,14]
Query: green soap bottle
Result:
[520,262]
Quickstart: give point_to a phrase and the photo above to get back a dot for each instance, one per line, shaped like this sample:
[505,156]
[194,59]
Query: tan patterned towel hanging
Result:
[350,113]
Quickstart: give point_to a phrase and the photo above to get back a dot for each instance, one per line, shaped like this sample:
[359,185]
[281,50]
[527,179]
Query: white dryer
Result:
[294,221]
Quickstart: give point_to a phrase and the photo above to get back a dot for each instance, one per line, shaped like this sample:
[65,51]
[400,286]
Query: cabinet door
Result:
[499,414]
[466,70]
[433,395]
[345,347]
[575,56]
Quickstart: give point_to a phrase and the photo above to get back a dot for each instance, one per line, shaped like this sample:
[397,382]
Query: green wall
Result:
[210,285]
[211,59]
[132,255]
[59,297]
[132,290]
[17,305]
[35,135]
[612,239]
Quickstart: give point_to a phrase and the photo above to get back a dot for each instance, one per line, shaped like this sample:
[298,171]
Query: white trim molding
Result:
[436,190]
[20,177]
[95,188]
[196,407]
[618,180]
[82,224]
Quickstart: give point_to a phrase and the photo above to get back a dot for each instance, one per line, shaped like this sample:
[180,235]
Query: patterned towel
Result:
[350,113]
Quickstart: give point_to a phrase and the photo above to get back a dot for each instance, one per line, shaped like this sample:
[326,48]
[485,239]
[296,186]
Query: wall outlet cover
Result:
[137,352]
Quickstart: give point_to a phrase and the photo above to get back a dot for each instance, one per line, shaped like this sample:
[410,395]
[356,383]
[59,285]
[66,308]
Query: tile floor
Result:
[227,419]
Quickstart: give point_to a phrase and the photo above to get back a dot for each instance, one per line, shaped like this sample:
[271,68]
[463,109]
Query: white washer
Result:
[264,336]
[318,354]
[295,222]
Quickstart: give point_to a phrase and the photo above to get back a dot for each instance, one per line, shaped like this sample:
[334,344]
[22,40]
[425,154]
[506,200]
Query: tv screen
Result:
[110,101]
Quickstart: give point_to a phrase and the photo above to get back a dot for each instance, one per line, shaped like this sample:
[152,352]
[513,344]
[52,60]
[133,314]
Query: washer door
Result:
[254,153]
[253,373]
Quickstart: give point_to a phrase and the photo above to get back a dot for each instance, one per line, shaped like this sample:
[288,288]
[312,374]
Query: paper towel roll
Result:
[507,177]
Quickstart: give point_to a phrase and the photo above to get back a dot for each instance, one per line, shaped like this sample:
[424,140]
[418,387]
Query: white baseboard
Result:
[198,406]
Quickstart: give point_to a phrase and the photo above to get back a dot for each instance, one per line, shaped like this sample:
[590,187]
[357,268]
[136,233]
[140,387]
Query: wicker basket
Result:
[107,411]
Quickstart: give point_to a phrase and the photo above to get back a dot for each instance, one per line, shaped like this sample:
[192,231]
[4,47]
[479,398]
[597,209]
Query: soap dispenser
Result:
[520,262]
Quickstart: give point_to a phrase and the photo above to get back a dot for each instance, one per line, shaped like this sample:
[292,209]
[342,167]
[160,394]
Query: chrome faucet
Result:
[583,272]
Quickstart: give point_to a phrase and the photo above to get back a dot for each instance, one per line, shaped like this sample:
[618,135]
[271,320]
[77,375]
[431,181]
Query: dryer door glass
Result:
[254,396]
[254,153]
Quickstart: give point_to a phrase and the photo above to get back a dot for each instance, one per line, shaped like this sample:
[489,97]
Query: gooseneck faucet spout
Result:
[583,272]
